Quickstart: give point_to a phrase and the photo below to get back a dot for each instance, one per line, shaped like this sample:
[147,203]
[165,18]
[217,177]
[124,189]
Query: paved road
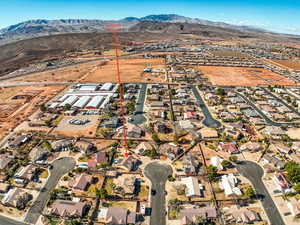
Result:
[139,118]
[209,121]
[8,221]
[254,173]
[158,173]
[60,167]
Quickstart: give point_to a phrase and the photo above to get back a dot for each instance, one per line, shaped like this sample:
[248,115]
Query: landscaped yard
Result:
[144,192]
[123,204]
[44,174]
[109,186]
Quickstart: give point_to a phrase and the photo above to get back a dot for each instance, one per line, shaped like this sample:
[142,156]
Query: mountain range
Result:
[38,28]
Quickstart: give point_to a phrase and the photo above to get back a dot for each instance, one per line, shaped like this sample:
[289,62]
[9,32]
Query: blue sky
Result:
[281,16]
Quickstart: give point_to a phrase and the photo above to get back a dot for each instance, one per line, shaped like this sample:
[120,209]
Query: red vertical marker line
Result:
[116,43]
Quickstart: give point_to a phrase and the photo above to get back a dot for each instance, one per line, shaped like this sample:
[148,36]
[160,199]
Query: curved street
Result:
[158,174]
[60,167]
[254,173]
[209,121]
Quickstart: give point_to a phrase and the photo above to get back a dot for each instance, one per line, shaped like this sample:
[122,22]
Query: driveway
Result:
[60,167]
[139,118]
[209,121]
[158,173]
[254,173]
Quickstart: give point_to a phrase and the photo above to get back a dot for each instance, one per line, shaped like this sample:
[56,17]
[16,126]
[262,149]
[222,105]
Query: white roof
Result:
[53,105]
[216,161]
[228,183]
[88,88]
[82,102]
[63,98]
[95,102]
[70,100]
[102,213]
[106,87]
[192,184]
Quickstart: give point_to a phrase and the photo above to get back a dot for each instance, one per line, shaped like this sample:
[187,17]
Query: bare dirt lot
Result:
[66,74]
[287,64]
[131,70]
[17,111]
[67,129]
[241,76]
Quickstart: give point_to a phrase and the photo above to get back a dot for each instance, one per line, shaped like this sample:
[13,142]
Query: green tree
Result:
[220,91]
[155,137]
[67,107]
[102,193]
[46,144]
[293,171]
[249,192]
[212,172]
[104,165]
[233,159]
[151,153]
[43,107]
[225,164]
[296,187]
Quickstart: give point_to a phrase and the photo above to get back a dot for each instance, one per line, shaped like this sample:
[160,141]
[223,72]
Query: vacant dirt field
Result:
[18,111]
[131,70]
[67,74]
[67,129]
[227,53]
[238,76]
[287,64]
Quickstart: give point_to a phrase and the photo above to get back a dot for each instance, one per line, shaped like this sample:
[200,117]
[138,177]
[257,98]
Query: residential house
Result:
[117,216]
[37,154]
[251,147]
[190,164]
[5,160]
[81,182]
[144,146]
[171,150]
[209,133]
[161,127]
[294,206]
[230,148]
[135,132]
[16,198]
[61,145]
[69,209]
[241,216]
[186,125]
[193,189]
[129,163]
[25,174]
[97,158]
[17,141]
[127,186]
[282,148]
[188,216]
[274,132]
[84,146]
[277,163]
[190,116]
[232,133]
[217,162]
[282,183]
[229,185]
